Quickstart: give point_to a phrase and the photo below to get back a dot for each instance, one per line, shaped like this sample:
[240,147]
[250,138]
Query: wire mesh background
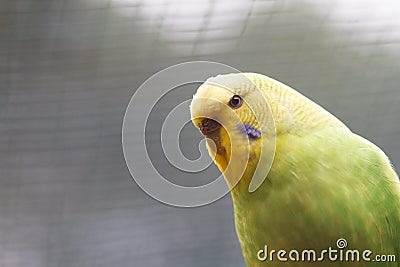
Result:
[69,67]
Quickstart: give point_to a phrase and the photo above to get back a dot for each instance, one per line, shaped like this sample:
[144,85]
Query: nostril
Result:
[208,126]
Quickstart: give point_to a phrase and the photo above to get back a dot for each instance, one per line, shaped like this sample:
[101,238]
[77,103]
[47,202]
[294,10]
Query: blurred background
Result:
[69,67]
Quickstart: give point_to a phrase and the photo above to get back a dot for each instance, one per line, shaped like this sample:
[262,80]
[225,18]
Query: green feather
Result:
[325,182]
[323,186]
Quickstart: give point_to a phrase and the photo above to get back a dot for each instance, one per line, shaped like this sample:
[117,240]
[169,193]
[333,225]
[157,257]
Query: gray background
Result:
[69,67]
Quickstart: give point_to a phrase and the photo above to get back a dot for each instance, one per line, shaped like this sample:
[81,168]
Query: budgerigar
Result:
[322,183]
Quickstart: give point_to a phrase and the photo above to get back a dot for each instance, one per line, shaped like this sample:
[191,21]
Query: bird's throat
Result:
[219,147]
[234,155]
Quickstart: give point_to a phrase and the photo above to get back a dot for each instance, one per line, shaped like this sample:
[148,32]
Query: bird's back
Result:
[324,185]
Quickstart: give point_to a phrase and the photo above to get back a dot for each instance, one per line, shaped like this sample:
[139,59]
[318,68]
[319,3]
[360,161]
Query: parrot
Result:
[306,190]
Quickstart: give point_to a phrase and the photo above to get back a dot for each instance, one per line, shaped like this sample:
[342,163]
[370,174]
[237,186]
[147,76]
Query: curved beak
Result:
[208,126]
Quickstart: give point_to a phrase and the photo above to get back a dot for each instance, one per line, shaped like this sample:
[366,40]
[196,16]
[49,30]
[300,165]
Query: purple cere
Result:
[249,131]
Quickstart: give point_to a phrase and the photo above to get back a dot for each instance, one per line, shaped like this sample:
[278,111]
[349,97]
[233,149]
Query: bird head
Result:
[243,116]
[233,115]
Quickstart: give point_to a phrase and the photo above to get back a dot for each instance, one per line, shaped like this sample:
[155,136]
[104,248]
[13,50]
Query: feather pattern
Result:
[325,182]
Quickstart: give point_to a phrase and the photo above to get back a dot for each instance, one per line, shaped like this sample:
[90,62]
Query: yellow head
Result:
[242,114]
[234,116]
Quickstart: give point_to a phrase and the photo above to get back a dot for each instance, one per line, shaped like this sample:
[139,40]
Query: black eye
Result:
[236,101]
